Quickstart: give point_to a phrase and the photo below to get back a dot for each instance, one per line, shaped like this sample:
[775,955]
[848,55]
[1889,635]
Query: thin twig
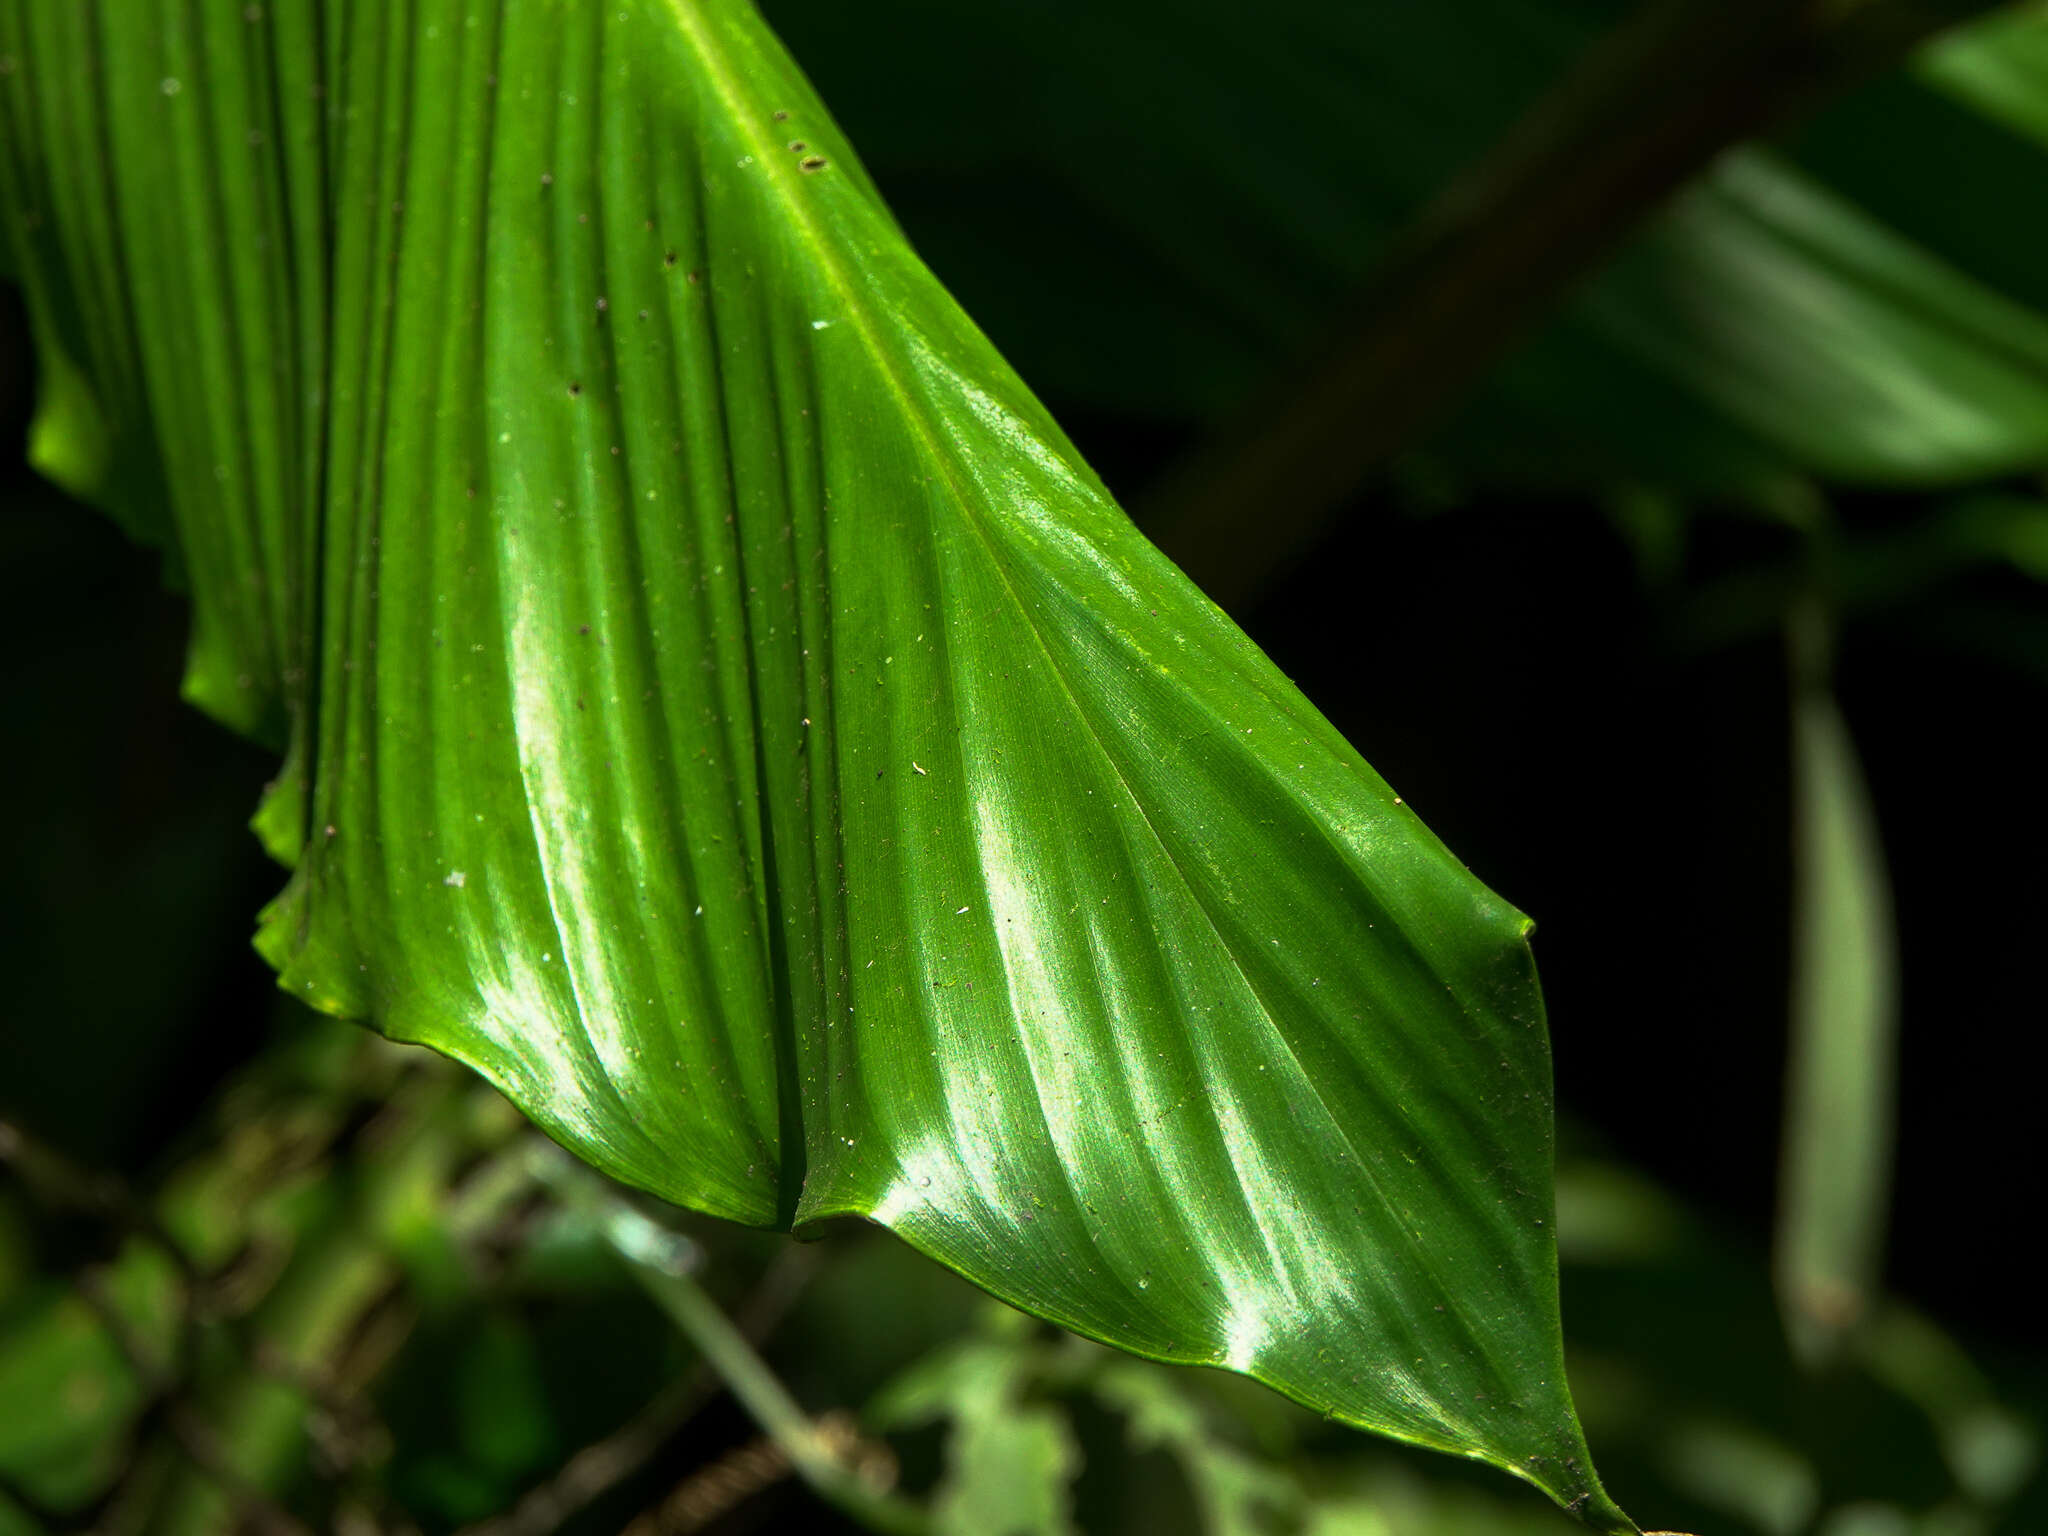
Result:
[715,1490]
[662,1261]
[602,1465]
[818,1455]
[712,1492]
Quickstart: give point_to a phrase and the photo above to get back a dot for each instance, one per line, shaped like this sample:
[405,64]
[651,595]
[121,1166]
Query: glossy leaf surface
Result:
[721,707]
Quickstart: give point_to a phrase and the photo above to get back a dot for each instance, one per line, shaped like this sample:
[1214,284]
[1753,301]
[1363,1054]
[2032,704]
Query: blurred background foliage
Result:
[1688,362]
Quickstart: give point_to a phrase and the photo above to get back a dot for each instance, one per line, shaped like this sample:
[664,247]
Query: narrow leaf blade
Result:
[1835,1191]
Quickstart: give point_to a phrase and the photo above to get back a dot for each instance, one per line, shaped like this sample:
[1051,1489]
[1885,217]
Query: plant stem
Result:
[661,1261]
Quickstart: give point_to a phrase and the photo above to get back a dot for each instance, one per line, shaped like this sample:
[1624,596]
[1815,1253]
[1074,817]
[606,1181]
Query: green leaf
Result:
[1835,1190]
[1237,1494]
[1749,1476]
[63,1355]
[1999,67]
[15,1521]
[1009,1461]
[501,1408]
[1766,323]
[720,706]
[1990,1450]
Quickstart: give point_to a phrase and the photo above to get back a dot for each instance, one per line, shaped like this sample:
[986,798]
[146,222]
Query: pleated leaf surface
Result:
[722,708]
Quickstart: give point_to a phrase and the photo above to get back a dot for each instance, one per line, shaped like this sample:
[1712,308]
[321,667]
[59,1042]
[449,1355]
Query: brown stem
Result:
[1649,106]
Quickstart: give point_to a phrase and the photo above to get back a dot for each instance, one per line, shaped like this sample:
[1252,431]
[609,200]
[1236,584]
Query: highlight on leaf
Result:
[718,704]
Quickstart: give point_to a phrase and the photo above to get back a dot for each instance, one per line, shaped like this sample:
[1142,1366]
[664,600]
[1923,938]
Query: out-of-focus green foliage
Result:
[61,1353]
[1009,1460]
[480,1359]
[1856,304]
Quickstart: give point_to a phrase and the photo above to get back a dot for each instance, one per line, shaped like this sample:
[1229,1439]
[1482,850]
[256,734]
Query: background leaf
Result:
[1838,1118]
[1854,302]
[1009,1460]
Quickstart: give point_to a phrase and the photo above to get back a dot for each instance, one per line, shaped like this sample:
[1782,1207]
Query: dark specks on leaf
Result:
[575,388]
[797,146]
[668,258]
[782,117]
[812,163]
